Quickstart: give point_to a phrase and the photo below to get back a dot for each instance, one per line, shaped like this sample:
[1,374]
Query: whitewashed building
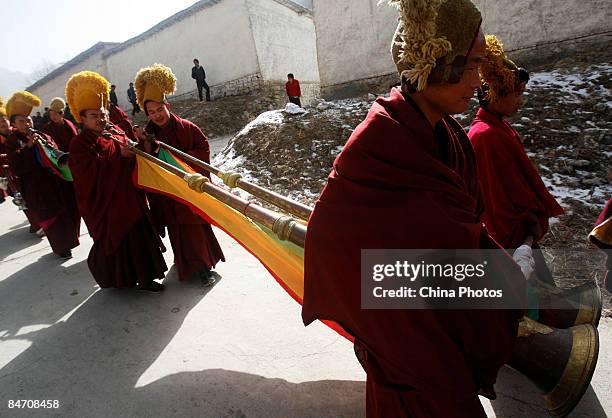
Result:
[354,36]
[242,44]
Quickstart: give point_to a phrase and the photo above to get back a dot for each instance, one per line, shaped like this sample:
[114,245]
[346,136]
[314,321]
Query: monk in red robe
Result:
[126,250]
[48,198]
[59,128]
[62,131]
[601,236]
[5,131]
[6,172]
[407,179]
[517,203]
[196,249]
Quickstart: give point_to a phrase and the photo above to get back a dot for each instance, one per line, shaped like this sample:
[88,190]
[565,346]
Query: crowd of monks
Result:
[125,223]
[408,177]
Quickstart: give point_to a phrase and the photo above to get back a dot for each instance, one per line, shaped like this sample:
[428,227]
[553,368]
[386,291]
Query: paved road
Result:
[238,349]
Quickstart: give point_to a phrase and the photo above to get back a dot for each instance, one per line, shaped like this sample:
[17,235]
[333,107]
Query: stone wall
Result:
[354,36]
[273,90]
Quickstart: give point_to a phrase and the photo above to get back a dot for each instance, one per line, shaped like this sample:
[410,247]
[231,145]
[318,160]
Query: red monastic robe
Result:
[118,117]
[603,241]
[513,192]
[49,199]
[14,181]
[389,188]
[62,133]
[3,162]
[193,241]
[126,250]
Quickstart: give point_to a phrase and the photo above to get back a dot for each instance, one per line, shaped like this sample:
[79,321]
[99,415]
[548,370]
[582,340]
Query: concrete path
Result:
[236,350]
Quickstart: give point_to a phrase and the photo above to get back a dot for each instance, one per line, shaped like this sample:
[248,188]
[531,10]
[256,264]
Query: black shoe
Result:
[209,281]
[66,254]
[154,287]
[208,278]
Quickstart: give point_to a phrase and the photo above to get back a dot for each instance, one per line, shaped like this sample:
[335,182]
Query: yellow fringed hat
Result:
[154,83]
[430,34]
[57,104]
[497,72]
[21,103]
[87,90]
[2,109]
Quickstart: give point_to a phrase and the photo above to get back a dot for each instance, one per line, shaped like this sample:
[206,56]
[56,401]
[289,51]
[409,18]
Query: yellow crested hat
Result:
[498,73]
[154,83]
[430,34]
[2,109]
[57,104]
[87,90]
[21,103]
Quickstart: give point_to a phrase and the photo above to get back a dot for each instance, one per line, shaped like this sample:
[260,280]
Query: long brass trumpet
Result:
[56,155]
[233,179]
[285,227]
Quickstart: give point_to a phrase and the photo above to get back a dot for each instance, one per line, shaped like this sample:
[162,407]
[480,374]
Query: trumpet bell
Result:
[560,362]
[62,158]
[565,308]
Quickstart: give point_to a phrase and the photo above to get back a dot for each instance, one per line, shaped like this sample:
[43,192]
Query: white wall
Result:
[353,39]
[219,36]
[354,36]
[286,42]
[56,87]
[526,23]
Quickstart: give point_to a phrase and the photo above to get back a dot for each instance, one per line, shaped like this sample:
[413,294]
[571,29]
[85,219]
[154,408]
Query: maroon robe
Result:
[398,185]
[119,118]
[13,186]
[49,199]
[3,162]
[606,246]
[126,250]
[62,133]
[514,194]
[194,244]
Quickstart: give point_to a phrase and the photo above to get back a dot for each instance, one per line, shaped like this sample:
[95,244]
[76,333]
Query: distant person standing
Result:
[45,117]
[293,90]
[131,94]
[113,95]
[59,128]
[199,75]
[38,120]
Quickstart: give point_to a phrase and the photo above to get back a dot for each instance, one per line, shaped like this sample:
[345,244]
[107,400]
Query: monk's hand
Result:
[139,132]
[523,256]
[151,146]
[148,145]
[126,152]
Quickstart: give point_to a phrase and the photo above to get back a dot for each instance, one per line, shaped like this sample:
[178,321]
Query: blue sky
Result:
[39,33]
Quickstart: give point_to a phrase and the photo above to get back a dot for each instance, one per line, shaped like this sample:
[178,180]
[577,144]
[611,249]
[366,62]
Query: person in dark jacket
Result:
[113,95]
[199,75]
[131,94]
